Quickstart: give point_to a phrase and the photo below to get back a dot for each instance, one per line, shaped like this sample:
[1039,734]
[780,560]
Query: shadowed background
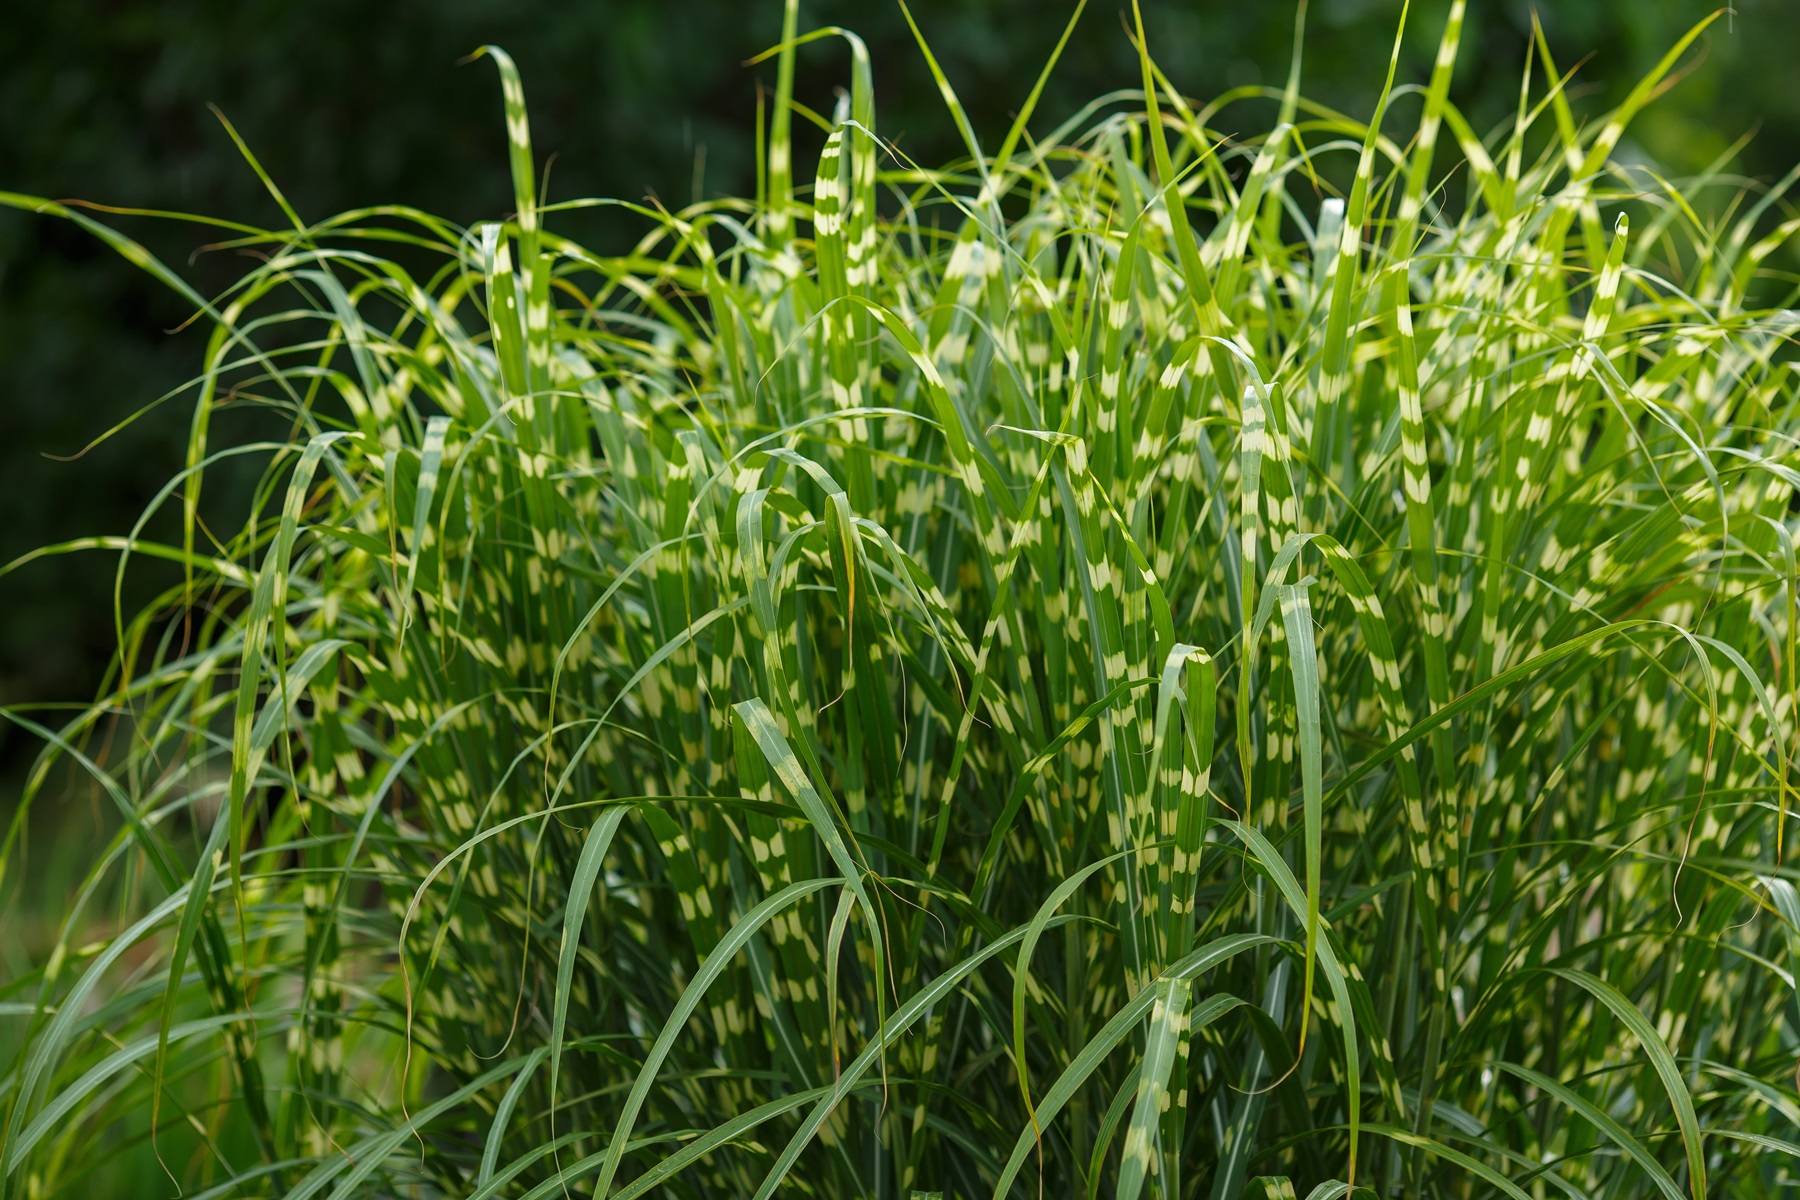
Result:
[349,103]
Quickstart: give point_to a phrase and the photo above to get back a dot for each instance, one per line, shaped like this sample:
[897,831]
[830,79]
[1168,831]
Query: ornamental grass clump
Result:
[1146,662]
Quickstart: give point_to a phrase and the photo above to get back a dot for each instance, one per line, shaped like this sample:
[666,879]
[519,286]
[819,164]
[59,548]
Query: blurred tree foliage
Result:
[349,103]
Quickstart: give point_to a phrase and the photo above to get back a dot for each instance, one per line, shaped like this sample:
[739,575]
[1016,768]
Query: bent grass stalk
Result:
[934,681]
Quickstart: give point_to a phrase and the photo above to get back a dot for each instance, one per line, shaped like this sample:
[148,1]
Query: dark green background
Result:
[352,102]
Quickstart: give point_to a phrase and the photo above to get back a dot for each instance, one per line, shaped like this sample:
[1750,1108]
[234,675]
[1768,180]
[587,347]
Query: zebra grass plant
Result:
[1141,663]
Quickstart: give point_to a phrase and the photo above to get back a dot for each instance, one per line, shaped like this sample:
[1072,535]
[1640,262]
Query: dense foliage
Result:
[1119,666]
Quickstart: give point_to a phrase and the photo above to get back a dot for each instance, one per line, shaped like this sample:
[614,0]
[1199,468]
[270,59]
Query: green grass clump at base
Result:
[1144,663]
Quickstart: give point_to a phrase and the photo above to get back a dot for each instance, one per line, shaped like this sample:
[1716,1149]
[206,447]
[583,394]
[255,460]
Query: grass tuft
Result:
[1146,663]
